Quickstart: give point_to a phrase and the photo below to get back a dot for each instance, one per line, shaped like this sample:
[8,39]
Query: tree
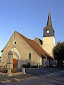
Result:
[58,53]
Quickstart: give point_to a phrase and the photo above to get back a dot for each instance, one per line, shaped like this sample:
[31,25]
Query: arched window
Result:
[29,56]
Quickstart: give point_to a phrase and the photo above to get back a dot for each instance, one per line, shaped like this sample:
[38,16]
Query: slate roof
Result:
[49,22]
[41,52]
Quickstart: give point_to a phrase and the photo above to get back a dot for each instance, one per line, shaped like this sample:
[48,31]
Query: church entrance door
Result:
[16,58]
[14,63]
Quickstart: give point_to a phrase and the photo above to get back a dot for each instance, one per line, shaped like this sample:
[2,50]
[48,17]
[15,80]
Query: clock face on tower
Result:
[48,31]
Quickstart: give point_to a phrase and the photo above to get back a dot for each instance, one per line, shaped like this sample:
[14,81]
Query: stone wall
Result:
[48,44]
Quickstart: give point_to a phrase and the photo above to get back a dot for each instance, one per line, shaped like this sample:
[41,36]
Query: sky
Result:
[29,17]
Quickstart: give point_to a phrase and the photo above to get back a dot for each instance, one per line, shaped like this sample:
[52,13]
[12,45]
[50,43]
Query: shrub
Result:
[28,65]
[34,66]
[40,66]
[14,70]
[4,70]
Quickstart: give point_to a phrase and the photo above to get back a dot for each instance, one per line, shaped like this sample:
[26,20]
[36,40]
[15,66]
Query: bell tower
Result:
[48,37]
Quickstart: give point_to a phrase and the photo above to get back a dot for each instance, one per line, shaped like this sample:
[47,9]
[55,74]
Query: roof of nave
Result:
[35,46]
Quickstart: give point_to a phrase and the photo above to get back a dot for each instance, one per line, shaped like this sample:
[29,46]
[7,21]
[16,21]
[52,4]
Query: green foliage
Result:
[14,70]
[26,65]
[58,51]
[4,70]
[34,66]
[40,66]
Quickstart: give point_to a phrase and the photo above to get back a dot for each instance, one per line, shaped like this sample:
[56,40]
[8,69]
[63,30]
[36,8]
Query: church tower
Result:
[48,37]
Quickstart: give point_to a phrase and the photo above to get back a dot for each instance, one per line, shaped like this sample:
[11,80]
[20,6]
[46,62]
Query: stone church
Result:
[37,52]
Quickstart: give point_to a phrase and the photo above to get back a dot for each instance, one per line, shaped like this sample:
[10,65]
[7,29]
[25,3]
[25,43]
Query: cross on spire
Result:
[49,23]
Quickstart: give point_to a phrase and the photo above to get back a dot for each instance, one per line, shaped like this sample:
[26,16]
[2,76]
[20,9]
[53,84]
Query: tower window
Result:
[30,56]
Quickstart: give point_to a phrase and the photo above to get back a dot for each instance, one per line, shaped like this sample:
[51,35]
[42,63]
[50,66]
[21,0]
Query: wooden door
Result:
[14,63]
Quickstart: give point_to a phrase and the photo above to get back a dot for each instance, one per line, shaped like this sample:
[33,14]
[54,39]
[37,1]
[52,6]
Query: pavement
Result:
[16,78]
[35,76]
[43,71]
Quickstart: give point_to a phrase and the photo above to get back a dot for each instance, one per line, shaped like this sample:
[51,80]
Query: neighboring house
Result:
[34,51]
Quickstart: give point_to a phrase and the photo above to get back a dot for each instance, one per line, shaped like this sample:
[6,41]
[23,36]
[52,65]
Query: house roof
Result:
[40,51]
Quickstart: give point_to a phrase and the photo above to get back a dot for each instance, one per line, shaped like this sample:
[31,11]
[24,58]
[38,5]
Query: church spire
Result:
[49,23]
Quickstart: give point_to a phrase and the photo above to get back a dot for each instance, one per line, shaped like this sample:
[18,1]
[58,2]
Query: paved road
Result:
[48,76]
[43,71]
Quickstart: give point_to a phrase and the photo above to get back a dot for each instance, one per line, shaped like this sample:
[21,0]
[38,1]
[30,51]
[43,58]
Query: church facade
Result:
[25,50]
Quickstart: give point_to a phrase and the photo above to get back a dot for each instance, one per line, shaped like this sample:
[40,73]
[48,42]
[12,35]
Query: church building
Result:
[37,51]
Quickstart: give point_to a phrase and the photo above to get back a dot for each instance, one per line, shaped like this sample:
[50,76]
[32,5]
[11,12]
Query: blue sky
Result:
[29,17]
